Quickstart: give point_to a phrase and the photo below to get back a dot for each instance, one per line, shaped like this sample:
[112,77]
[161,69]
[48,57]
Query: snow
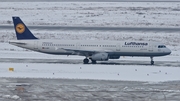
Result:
[118,14]
[14,97]
[97,72]
[126,14]
[80,71]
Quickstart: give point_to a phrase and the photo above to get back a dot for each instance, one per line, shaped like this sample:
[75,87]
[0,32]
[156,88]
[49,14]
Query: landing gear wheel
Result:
[86,61]
[93,61]
[152,62]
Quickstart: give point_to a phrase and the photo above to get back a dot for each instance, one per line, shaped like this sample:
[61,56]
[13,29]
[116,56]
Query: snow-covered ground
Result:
[129,14]
[97,72]
[81,71]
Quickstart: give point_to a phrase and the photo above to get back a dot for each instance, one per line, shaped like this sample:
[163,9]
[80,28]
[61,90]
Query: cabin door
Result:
[35,45]
[150,47]
[118,46]
[77,45]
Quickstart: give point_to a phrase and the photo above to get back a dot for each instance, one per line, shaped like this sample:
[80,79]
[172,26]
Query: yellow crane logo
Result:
[20,28]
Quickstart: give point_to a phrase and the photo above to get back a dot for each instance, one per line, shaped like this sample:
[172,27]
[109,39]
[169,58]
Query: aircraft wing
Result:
[86,51]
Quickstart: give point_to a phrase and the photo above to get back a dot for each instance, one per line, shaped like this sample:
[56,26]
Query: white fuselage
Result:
[86,47]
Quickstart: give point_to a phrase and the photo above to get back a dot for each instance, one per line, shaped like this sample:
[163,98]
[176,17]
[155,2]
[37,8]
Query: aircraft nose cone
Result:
[168,51]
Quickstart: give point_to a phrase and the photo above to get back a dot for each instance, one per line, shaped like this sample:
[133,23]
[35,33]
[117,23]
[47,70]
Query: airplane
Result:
[94,50]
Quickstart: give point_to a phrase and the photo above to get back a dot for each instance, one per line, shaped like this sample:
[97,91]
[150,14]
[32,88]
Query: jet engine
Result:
[100,57]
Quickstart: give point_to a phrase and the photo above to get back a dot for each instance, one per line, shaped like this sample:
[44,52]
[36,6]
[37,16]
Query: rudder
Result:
[22,32]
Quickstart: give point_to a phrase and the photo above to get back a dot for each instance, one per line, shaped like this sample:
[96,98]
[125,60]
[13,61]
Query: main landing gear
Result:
[86,61]
[93,61]
[152,62]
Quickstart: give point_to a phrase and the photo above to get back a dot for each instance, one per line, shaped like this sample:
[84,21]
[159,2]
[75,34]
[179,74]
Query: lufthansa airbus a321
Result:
[94,50]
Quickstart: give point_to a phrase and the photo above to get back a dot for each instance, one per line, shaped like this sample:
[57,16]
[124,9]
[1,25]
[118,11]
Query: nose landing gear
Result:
[152,62]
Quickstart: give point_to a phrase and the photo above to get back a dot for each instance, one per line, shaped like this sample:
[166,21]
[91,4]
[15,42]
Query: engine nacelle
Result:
[114,57]
[100,57]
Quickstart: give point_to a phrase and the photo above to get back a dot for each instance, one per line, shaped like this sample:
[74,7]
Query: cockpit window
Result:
[161,46]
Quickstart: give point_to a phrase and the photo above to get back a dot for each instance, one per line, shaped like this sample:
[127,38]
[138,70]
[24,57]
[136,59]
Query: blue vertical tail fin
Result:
[22,32]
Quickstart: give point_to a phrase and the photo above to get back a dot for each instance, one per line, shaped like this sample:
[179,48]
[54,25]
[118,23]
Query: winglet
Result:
[22,32]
